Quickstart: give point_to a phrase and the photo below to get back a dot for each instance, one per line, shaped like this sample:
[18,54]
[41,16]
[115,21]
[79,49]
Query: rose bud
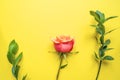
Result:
[63,44]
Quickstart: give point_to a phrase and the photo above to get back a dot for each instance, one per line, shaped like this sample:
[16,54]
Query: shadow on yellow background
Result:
[32,23]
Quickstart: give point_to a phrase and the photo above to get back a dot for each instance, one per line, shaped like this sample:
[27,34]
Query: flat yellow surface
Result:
[32,23]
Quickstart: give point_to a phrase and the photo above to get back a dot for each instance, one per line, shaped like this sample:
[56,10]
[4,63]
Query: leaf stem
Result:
[61,60]
[99,69]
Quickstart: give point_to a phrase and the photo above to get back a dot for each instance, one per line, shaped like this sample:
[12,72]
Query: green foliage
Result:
[101,39]
[109,49]
[96,55]
[100,29]
[13,47]
[108,58]
[111,17]
[63,66]
[107,42]
[13,59]
[96,16]
[101,52]
[110,31]
[15,71]
[24,77]
[100,17]
[74,52]
[18,59]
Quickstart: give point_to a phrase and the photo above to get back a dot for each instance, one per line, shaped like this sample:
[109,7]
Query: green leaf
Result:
[93,25]
[104,48]
[24,77]
[109,49]
[111,18]
[111,31]
[101,26]
[102,39]
[96,38]
[96,16]
[100,29]
[107,42]
[101,52]
[74,52]
[101,15]
[15,71]
[10,57]
[13,47]
[18,59]
[108,58]
[63,66]
[96,55]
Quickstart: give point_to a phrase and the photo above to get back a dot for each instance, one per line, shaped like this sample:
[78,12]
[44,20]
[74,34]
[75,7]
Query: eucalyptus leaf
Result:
[18,59]
[109,49]
[96,38]
[111,31]
[96,16]
[13,47]
[100,29]
[102,39]
[24,77]
[104,48]
[101,15]
[15,71]
[101,52]
[107,42]
[96,55]
[111,18]
[93,25]
[11,57]
[108,58]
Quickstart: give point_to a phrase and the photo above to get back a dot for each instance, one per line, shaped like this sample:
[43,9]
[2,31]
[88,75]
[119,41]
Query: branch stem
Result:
[99,69]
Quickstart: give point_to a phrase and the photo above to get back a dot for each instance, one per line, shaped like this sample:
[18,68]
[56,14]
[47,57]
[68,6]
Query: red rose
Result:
[63,44]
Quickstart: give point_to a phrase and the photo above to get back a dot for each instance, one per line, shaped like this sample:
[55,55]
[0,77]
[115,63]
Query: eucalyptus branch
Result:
[100,29]
[14,60]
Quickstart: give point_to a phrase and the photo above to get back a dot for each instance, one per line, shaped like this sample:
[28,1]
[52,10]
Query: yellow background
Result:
[32,23]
